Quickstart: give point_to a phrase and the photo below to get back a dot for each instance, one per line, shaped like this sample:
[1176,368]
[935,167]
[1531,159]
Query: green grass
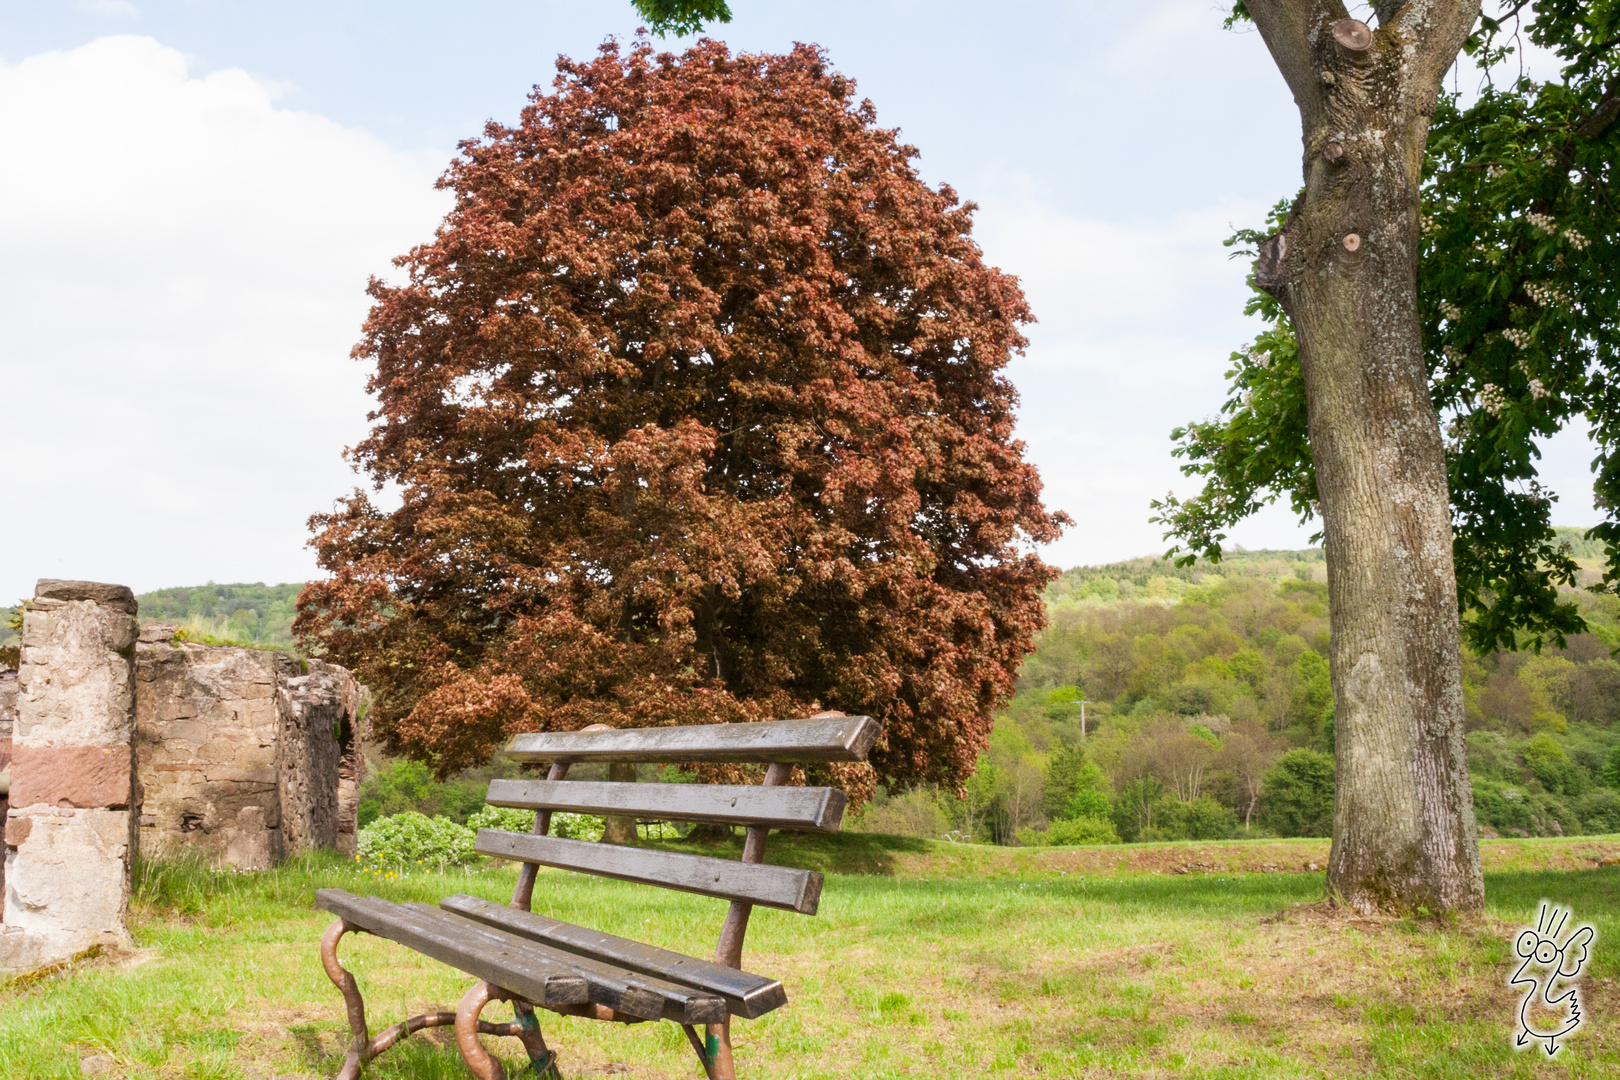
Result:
[1012,966]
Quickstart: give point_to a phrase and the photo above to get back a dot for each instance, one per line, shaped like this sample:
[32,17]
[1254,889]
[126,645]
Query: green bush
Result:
[1599,810]
[408,839]
[1297,796]
[1503,807]
[576,826]
[1545,758]
[1070,832]
[1201,819]
[501,817]
[401,786]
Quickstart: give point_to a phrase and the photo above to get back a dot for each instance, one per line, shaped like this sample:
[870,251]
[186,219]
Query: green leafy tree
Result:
[665,17]
[1297,799]
[1445,263]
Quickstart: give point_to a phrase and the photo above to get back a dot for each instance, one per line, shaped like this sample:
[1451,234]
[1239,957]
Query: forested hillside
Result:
[1209,712]
[256,614]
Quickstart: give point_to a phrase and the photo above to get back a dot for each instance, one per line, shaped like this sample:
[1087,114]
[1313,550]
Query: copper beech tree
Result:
[695,410]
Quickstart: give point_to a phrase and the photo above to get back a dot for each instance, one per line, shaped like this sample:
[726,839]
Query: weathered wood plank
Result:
[631,992]
[846,738]
[745,995]
[511,962]
[773,886]
[750,804]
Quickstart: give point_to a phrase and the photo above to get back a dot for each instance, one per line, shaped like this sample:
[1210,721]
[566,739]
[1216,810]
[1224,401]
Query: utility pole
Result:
[1082,719]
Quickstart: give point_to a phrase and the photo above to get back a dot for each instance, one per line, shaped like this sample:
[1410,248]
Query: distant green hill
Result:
[258,614]
[262,614]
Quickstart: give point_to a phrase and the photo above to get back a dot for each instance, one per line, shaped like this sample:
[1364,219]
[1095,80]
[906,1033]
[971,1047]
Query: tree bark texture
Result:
[1344,267]
[620,828]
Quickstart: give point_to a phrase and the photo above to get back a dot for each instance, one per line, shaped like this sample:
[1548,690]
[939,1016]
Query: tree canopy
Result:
[695,413]
[1519,307]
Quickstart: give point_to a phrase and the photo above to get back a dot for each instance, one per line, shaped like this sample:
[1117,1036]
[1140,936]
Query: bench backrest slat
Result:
[774,886]
[845,738]
[774,807]
[745,995]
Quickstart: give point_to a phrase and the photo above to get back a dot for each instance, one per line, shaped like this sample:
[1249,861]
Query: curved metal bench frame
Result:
[776,745]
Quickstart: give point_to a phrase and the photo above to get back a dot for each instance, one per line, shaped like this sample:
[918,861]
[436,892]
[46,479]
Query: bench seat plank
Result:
[750,804]
[513,963]
[617,986]
[746,995]
[467,943]
[756,883]
[845,738]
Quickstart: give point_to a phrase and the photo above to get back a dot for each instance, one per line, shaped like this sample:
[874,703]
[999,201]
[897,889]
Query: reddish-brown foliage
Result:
[695,407]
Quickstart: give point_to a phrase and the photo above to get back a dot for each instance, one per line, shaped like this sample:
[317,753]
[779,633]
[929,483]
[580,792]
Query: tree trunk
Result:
[619,828]
[1345,269]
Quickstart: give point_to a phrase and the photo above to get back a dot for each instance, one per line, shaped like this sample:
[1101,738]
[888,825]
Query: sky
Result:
[195,193]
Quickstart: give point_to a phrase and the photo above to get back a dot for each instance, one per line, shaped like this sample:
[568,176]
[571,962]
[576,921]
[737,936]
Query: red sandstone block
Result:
[83,776]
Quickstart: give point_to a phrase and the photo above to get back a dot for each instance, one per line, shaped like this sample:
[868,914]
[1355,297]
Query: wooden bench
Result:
[537,962]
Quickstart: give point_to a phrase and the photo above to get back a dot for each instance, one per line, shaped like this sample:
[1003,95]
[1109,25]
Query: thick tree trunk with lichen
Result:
[1345,268]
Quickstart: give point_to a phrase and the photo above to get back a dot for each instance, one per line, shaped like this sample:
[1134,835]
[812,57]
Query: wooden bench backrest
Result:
[779,745]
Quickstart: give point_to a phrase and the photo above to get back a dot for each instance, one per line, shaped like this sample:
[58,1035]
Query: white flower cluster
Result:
[1576,240]
[1429,224]
[1495,171]
[1544,222]
[1537,390]
[1451,311]
[1259,359]
[1492,399]
[1454,354]
[1521,338]
[1546,295]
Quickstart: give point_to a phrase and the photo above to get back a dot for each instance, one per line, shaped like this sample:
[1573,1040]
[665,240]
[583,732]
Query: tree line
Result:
[1209,714]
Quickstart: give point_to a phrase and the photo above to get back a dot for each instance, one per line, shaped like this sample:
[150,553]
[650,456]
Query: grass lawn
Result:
[927,959]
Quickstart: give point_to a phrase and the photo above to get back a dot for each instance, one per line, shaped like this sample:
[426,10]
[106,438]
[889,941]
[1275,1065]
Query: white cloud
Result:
[182,274]
[111,9]
[1137,321]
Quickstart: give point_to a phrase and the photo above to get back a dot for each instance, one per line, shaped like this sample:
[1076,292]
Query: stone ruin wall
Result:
[244,756]
[8,723]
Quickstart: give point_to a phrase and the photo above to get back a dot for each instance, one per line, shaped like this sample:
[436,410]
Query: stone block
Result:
[83,776]
[119,597]
[67,877]
[75,683]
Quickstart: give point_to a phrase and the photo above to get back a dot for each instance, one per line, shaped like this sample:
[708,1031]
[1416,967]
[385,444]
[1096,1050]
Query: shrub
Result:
[1297,799]
[576,826]
[502,817]
[912,813]
[410,838]
[1600,810]
[400,786]
[1545,758]
[1201,819]
[1071,832]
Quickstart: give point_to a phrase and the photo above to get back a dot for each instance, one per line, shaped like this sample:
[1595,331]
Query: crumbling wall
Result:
[242,752]
[208,722]
[70,832]
[319,744]
[8,721]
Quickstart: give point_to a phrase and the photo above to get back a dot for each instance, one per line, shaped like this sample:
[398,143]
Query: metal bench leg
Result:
[359,1035]
[542,1061]
[714,1051]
